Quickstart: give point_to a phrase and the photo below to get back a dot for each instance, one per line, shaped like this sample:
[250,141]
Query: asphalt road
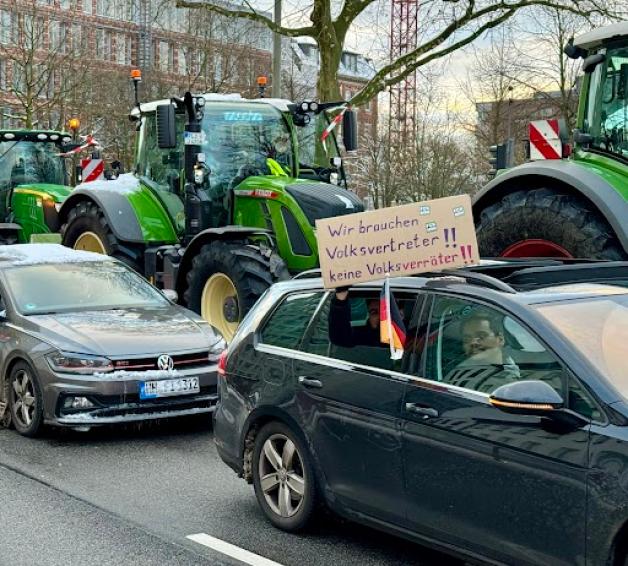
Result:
[133,496]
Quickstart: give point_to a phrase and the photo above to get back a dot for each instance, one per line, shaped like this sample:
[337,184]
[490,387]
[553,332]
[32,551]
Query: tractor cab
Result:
[603,126]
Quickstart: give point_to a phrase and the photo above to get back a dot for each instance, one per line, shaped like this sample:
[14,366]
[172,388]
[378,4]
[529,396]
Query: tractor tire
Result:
[87,229]
[225,280]
[547,217]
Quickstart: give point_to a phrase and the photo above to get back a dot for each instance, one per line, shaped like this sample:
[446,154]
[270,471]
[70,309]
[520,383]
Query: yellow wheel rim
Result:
[219,305]
[90,242]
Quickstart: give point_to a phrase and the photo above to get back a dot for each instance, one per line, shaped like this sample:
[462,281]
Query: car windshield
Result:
[68,287]
[598,327]
[311,153]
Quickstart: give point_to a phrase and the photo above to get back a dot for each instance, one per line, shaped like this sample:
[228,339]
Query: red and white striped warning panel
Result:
[545,141]
[93,169]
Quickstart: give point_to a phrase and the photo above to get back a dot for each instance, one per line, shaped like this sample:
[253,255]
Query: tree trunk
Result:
[327,86]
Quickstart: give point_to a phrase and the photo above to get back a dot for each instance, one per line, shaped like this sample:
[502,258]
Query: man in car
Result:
[341,333]
[486,366]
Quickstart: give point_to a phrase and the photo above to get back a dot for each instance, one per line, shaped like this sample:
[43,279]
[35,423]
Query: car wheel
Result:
[25,400]
[283,477]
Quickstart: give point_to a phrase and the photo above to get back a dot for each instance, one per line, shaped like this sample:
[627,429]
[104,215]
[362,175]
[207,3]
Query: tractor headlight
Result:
[66,362]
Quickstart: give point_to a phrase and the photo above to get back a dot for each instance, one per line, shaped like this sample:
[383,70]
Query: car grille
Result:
[181,361]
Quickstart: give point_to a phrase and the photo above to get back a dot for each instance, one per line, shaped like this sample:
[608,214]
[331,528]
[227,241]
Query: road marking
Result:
[232,550]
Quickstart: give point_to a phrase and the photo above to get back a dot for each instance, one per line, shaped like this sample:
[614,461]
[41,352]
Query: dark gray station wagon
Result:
[500,435]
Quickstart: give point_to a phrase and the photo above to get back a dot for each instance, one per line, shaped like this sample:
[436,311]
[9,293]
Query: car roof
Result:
[598,36]
[520,281]
[32,254]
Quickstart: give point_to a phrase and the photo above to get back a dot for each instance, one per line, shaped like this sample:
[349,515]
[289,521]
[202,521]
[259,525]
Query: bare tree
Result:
[42,63]
[450,25]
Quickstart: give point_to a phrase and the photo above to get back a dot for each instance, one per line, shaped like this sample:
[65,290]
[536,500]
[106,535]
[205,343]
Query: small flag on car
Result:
[392,330]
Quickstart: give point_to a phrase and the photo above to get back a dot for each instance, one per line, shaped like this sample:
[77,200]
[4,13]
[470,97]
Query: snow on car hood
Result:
[127,332]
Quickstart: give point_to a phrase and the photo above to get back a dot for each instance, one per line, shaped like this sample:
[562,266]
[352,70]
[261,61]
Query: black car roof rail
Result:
[309,274]
[610,272]
[472,277]
[480,279]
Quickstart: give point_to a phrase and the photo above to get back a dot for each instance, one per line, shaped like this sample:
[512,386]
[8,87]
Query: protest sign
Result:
[402,240]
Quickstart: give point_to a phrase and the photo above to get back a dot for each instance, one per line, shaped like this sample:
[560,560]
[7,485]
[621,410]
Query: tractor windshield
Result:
[245,139]
[606,118]
[27,162]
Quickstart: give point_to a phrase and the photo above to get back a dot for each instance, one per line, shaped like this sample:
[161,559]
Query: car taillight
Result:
[222,363]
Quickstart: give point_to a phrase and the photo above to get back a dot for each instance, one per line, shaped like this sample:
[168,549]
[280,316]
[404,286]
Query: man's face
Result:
[477,336]
[373,308]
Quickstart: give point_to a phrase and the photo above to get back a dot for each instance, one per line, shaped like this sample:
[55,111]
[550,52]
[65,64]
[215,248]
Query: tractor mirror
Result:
[592,61]
[166,130]
[350,131]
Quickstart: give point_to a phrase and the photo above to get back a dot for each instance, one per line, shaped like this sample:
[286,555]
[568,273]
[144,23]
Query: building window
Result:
[350,61]
[4,85]
[87,7]
[64,4]
[6,26]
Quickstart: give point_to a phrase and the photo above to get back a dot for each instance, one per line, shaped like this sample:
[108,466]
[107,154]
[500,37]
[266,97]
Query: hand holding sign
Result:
[402,240]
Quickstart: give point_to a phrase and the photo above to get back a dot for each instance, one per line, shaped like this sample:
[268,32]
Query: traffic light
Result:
[498,159]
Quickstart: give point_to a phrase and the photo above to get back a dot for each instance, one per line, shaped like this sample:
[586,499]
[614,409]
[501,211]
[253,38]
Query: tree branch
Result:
[248,15]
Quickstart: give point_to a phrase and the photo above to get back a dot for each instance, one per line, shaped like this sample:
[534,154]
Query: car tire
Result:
[284,482]
[220,270]
[25,400]
[547,215]
[87,219]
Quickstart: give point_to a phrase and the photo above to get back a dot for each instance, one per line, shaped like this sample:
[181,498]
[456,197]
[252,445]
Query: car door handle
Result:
[426,412]
[307,382]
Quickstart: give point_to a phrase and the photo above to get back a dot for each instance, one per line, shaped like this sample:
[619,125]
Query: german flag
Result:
[392,330]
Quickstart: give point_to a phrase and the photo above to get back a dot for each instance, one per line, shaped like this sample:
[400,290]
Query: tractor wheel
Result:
[87,229]
[224,282]
[546,223]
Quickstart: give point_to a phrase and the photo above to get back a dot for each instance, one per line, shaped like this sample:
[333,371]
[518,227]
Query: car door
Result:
[510,487]
[351,399]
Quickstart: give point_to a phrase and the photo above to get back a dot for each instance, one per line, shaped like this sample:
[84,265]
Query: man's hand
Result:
[342,293]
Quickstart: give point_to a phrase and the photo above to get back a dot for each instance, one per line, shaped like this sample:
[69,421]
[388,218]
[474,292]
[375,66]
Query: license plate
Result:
[169,387]
[193,138]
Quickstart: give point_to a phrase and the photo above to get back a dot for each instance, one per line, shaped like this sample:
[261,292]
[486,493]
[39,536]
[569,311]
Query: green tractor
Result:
[223,199]
[34,181]
[574,205]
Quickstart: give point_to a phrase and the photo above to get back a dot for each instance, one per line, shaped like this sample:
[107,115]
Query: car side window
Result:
[289,320]
[352,333]
[479,348]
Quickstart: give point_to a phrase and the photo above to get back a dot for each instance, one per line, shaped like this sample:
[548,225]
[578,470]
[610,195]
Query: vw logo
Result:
[165,362]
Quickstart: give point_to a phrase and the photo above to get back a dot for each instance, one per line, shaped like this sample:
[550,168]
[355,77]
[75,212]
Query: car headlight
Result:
[217,346]
[66,362]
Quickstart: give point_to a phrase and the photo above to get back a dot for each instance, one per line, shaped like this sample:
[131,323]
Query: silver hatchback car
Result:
[84,340]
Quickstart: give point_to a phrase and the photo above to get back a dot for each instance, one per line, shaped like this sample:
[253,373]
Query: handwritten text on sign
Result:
[413,238]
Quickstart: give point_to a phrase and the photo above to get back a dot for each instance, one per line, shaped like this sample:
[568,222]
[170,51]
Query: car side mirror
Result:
[171,295]
[592,61]
[166,129]
[527,398]
[350,130]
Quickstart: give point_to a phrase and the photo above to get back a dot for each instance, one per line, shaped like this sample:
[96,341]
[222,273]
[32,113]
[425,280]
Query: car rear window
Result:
[287,323]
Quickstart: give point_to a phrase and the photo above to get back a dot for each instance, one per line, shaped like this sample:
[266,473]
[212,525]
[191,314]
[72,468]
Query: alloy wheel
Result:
[281,475]
[24,401]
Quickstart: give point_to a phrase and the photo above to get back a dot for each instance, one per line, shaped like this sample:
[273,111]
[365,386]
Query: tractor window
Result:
[25,162]
[607,105]
[240,139]
[160,165]
[312,155]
